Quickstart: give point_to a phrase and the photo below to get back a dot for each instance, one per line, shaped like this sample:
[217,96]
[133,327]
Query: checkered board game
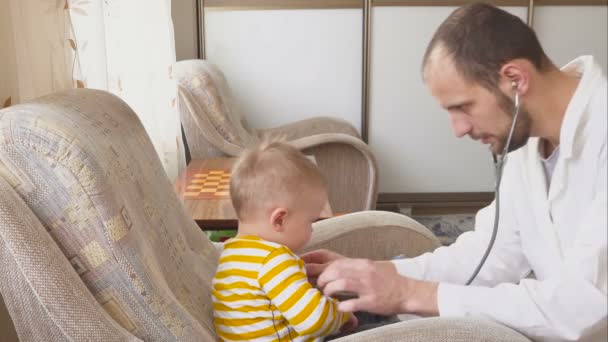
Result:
[208,184]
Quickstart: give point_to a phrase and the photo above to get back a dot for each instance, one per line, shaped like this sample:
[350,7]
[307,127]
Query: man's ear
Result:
[277,219]
[515,76]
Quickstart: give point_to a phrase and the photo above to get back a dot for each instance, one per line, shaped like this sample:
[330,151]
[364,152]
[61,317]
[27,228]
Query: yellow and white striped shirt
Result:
[261,293]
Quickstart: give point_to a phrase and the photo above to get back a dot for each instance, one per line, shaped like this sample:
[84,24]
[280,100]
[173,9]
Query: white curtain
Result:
[126,47]
[34,60]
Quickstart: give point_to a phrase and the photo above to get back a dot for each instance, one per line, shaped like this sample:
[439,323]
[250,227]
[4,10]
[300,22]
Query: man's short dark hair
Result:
[481,38]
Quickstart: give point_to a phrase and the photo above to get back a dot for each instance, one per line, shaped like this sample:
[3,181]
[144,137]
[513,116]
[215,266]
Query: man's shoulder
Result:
[593,130]
[598,108]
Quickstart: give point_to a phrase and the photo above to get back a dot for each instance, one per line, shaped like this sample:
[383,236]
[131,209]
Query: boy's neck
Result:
[253,229]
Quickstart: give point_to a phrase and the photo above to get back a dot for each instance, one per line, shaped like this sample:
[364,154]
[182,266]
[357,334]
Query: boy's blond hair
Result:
[271,172]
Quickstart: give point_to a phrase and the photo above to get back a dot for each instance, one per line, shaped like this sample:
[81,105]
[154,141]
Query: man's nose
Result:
[460,125]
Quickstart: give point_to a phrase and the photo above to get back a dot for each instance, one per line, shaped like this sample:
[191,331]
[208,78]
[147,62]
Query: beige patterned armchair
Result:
[214,127]
[96,246]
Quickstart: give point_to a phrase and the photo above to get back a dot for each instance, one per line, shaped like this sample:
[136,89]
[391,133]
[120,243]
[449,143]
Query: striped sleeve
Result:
[306,309]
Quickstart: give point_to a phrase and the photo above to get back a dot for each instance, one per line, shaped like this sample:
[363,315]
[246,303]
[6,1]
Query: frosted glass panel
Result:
[288,65]
[409,133]
[570,31]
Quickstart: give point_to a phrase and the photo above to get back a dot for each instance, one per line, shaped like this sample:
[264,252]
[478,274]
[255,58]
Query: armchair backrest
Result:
[84,165]
[45,297]
[212,122]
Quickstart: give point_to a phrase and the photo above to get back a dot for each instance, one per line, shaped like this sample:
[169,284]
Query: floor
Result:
[447,227]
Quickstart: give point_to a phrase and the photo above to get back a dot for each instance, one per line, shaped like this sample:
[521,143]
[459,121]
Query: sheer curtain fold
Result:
[33,58]
[125,47]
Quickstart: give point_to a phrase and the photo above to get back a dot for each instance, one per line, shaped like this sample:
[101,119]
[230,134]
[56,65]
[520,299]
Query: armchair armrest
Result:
[375,235]
[439,329]
[308,127]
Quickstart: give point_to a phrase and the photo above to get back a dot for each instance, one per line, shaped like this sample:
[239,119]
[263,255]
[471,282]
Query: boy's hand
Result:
[351,324]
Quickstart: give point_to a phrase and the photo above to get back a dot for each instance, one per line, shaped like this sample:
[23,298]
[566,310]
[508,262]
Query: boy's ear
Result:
[277,219]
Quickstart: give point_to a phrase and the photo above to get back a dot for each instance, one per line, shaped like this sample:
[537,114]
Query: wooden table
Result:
[204,190]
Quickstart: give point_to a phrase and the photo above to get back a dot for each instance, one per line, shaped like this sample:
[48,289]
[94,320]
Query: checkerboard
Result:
[211,184]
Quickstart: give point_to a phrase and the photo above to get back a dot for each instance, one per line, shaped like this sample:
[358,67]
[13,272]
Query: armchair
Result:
[214,127]
[96,246]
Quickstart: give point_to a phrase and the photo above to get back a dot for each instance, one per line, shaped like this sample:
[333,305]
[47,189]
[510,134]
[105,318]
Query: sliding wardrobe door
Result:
[567,32]
[409,133]
[285,65]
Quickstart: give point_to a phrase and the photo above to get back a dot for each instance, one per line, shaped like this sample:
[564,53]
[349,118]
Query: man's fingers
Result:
[341,286]
[334,271]
[313,270]
[357,265]
[343,268]
[315,257]
[321,256]
[353,305]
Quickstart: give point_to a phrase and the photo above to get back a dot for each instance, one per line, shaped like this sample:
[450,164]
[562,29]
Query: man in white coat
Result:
[552,197]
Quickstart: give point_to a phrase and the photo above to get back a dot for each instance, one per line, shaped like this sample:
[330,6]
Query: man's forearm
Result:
[422,298]
[416,296]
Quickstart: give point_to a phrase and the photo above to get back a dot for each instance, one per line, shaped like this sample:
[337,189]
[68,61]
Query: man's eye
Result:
[455,110]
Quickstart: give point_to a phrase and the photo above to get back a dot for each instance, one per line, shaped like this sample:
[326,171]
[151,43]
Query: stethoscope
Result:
[499,164]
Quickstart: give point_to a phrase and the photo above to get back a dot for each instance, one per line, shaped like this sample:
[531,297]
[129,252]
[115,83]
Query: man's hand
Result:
[317,261]
[380,288]
[350,325]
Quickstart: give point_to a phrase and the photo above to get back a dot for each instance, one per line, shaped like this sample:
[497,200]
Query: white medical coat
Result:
[560,233]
